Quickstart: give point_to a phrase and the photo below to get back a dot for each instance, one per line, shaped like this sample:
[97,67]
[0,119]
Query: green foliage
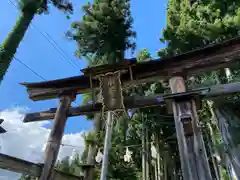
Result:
[119,169]
[29,5]
[103,35]
[27,177]
[87,98]
[195,24]
[42,5]
[143,55]
[190,26]
[28,10]
[70,166]
[66,165]
[224,174]
[104,32]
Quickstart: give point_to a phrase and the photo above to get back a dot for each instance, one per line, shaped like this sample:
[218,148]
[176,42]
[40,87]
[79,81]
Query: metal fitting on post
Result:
[186,120]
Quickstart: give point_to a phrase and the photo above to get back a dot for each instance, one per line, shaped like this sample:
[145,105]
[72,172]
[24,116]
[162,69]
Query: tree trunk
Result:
[173,173]
[93,149]
[148,164]
[144,151]
[10,45]
[93,152]
[212,148]
[159,170]
[155,170]
[169,164]
[89,173]
[165,166]
[148,154]
[228,123]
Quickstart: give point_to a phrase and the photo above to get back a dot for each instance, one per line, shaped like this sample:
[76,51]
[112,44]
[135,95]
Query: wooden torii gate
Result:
[184,103]
[32,169]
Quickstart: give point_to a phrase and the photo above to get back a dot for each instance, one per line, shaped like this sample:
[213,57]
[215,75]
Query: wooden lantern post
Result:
[55,137]
[191,146]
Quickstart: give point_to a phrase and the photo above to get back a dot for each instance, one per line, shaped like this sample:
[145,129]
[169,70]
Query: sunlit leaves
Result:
[202,23]
[104,31]
[143,55]
[42,5]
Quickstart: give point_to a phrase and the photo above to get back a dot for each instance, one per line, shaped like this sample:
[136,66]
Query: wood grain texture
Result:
[202,60]
[192,151]
[25,167]
[55,138]
[132,102]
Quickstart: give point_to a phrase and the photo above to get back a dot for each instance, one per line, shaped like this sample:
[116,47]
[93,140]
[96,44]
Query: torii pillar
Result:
[55,137]
[192,150]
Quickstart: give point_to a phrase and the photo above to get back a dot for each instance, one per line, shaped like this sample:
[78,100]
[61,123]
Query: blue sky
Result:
[51,63]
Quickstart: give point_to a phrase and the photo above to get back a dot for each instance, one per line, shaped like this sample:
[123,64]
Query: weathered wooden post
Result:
[55,137]
[89,169]
[191,146]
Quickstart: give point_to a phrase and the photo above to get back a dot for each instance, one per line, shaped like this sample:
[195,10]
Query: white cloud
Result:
[27,141]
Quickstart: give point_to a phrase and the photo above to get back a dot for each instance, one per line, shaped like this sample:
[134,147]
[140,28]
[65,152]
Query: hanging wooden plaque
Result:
[111,91]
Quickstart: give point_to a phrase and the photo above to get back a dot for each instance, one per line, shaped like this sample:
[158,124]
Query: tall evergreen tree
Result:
[69,165]
[105,31]
[103,35]
[195,24]
[28,9]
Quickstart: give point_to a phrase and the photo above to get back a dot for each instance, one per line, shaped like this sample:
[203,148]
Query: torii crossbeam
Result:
[174,68]
[208,58]
[134,102]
